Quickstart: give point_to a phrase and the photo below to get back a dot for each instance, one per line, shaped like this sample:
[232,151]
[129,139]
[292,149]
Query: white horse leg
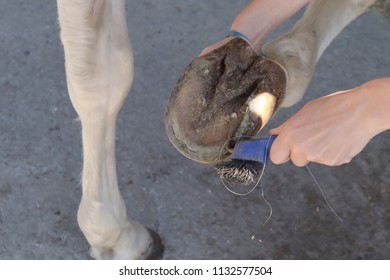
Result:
[99,68]
[299,50]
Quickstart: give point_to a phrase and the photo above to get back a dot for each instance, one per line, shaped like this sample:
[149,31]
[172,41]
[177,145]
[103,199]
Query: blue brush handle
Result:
[254,149]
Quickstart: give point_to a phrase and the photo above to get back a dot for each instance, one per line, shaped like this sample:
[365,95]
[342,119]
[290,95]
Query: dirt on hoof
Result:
[217,98]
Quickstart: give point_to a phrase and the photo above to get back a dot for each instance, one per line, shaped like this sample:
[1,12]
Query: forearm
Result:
[260,17]
[376,95]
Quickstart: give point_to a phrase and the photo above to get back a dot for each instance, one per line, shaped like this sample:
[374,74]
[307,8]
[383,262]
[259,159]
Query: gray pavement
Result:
[40,151]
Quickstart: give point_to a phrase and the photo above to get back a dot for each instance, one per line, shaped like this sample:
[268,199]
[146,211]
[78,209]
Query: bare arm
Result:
[259,18]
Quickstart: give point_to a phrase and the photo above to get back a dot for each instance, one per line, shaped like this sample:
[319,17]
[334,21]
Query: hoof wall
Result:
[157,250]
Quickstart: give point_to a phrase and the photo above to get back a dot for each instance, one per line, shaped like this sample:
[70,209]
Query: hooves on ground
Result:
[157,249]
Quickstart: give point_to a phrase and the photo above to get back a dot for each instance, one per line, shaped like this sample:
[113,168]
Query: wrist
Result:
[260,17]
[376,97]
[251,31]
[237,34]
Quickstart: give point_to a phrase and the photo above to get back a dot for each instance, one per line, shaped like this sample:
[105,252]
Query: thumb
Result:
[280,151]
[276,130]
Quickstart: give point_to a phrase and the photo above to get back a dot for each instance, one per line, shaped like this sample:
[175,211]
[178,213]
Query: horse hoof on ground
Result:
[157,249]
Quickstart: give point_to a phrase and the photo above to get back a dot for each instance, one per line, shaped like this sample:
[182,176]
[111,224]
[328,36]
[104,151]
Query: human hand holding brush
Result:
[330,130]
[333,129]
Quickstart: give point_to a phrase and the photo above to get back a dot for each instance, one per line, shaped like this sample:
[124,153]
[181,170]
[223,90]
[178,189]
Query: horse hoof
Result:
[157,250]
[222,96]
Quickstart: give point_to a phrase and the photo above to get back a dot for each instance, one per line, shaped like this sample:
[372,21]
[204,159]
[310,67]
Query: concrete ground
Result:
[40,151]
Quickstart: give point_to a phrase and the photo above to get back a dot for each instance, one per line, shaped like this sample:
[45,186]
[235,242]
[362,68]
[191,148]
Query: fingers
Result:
[299,159]
[215,46]
[281,152]
[276,130]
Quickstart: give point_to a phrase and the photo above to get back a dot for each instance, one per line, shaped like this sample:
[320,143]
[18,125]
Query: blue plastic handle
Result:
[254,149]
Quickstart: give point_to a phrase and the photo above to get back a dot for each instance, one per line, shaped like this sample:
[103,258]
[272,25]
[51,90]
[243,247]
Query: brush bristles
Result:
[237,171]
